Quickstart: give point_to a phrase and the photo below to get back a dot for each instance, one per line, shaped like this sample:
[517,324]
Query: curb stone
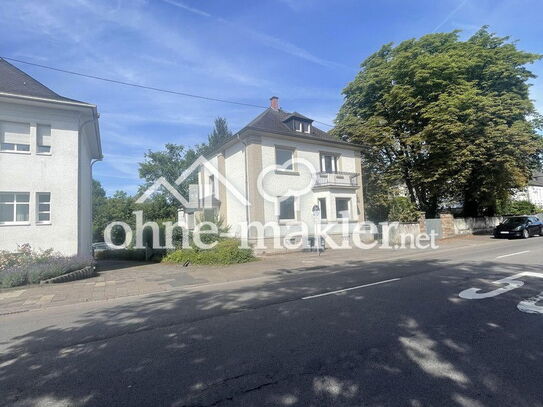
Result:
[89,271]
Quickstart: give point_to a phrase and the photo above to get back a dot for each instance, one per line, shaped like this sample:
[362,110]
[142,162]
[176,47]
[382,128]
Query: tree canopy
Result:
[448,120]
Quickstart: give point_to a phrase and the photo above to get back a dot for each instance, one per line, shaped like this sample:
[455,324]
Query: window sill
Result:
[287,172]
[16,152]
[46,154]
[43,223]
[15,224]
[289,222]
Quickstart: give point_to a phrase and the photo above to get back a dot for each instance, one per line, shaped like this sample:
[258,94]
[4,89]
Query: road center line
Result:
[349,289]
[513,254]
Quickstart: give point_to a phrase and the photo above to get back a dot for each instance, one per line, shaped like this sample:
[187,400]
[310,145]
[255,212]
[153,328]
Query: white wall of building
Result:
[56,173]
[234,160]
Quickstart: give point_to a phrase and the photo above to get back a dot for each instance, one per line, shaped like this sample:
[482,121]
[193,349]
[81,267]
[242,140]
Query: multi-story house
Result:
[47,146]
[285,167]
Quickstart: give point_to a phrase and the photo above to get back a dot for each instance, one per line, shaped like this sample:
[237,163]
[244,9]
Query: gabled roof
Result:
[275,121]
[16,82]
[537,180]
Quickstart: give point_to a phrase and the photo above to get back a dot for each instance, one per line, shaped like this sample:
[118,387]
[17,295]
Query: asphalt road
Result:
[382,333]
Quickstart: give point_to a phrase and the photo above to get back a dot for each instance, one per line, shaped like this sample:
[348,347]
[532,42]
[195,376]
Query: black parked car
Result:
[519,226]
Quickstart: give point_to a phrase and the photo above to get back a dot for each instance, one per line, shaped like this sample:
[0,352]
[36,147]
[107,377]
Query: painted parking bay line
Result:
[512,254]
[349,289]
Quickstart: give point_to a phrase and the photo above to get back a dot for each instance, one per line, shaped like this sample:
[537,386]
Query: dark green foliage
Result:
[509,207]
[217,137]
[449,120]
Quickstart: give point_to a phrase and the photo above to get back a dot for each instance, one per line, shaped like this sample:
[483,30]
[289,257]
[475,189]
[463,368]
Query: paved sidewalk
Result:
[118,279]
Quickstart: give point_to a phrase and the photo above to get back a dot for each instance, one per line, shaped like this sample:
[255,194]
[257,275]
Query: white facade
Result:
[62,139]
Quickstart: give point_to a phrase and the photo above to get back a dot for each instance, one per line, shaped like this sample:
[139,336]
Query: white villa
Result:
[47,147]
[272,154]
[534,191]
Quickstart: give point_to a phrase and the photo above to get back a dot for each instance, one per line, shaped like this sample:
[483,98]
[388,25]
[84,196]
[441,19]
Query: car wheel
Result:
[525,234]
[541,231]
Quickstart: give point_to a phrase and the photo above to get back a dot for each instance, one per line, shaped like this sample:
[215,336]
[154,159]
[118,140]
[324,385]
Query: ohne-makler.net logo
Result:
[193,225]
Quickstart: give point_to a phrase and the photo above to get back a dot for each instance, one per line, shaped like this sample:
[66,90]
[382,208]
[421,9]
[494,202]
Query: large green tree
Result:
[446,119]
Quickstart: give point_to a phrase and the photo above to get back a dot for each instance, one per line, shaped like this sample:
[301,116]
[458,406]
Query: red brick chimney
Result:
[274,103]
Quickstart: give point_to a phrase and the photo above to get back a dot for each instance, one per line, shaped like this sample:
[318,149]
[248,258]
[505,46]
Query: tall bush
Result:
[402,210]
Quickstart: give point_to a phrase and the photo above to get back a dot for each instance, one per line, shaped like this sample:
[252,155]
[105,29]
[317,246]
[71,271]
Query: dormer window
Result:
[302,127]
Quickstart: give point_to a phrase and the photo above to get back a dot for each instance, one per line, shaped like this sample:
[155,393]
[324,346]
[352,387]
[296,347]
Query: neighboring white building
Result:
[534,191]
[266,145]
[47,145]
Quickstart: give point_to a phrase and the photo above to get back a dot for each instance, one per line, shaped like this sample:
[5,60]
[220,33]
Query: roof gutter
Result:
[46,100]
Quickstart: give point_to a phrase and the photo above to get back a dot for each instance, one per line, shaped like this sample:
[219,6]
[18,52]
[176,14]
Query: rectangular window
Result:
[14,207]
[43,133]
[284,156]
[286,209]
[342,208]
[306,127]
[212,185]
[298,126]
[44,207]
[322,206]
[14,136]
[329,163]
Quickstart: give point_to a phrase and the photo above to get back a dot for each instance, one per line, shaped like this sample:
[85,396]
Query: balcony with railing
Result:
[337,180]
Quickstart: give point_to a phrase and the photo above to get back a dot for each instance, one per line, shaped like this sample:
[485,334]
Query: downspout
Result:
[79,140]
[246,183]
[94,161]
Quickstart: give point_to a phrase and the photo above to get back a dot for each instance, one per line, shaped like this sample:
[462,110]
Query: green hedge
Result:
[226,251]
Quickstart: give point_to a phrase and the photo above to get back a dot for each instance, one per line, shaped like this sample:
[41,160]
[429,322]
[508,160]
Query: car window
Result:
[515,220]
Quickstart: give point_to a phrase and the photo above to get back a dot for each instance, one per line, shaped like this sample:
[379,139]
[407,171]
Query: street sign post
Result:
[316,211]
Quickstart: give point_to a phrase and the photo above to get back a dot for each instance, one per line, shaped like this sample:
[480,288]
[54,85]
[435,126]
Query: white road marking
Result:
[349,289]
[512,254]
[529,305]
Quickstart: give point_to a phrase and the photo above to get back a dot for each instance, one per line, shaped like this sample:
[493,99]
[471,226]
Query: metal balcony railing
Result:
[337,179]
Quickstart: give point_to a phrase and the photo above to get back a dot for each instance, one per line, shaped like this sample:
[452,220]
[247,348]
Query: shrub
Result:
[402,210]
[31,267]
[516,208]
[226,251]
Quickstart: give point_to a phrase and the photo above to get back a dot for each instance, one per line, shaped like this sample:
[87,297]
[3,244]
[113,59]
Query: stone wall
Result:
[464,226]
[447,225]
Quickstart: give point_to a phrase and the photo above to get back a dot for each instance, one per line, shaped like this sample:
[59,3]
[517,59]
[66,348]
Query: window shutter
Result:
[44,135]
[15,133]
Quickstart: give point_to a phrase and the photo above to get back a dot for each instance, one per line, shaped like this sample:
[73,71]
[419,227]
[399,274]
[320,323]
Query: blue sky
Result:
[304,51]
